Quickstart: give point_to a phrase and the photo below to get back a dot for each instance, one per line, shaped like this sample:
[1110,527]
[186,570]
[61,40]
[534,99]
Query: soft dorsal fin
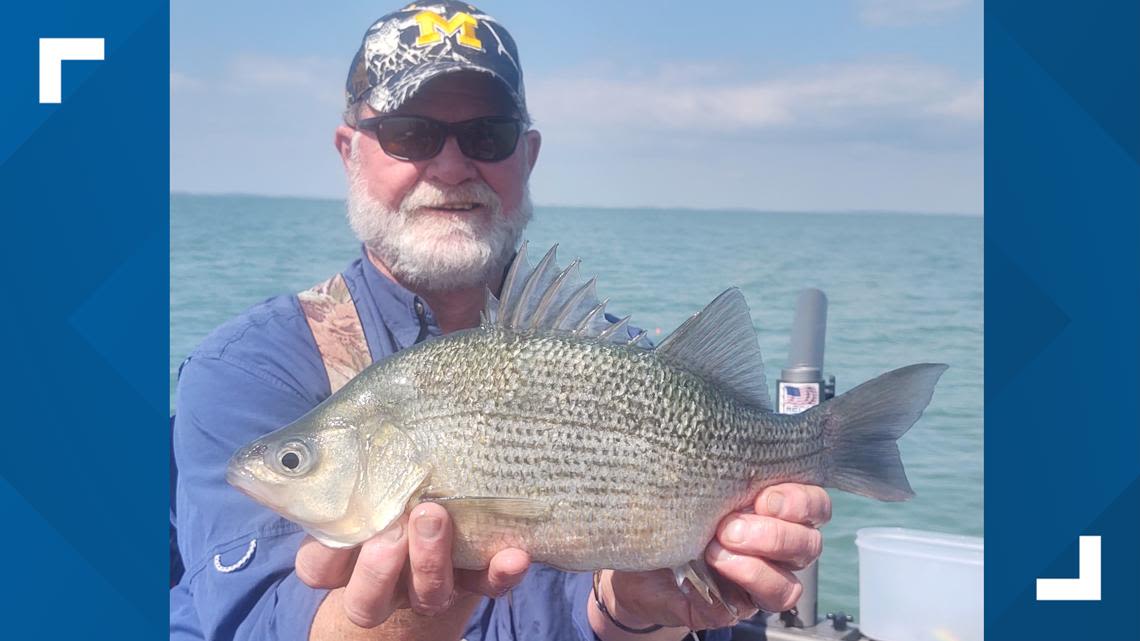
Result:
[553,299]
[719,343]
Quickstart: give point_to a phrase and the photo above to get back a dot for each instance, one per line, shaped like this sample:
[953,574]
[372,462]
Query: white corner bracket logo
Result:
[1086,587]
[53,51]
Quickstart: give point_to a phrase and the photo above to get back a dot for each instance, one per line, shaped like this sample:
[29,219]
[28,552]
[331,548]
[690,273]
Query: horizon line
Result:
[682,208]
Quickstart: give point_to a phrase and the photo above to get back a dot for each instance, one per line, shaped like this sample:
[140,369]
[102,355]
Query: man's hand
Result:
[758,551]
[406,566]
[755,552]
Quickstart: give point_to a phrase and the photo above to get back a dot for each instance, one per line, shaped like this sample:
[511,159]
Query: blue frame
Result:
[1063,313]
[85,186]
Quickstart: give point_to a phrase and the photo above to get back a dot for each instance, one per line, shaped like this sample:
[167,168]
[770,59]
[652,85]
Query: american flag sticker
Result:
[797,397]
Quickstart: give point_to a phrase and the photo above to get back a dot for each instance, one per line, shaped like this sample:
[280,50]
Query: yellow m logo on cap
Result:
[433,27]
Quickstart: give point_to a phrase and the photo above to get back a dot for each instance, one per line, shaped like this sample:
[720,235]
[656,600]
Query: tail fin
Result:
[862,425]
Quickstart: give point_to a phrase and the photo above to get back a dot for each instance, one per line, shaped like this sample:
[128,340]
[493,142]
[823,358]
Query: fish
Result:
[551,429]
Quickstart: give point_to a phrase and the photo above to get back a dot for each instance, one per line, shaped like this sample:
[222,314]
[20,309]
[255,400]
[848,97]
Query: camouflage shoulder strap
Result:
[335,323]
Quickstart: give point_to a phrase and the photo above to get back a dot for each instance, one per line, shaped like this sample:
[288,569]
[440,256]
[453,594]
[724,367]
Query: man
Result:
[438,150]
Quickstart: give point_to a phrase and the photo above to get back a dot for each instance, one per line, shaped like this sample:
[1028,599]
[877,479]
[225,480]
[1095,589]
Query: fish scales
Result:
[545,428]
[638,458]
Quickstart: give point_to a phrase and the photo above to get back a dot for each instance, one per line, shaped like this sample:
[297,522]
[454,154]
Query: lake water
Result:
[902,289]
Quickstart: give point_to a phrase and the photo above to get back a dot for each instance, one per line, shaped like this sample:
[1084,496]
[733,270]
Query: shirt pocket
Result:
[222,559]
[240,552]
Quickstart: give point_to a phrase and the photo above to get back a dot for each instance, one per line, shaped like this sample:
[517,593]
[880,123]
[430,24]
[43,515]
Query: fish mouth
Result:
[245,482]
[240,478]
[238,474]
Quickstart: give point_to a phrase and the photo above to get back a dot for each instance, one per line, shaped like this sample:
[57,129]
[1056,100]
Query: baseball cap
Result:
[405,49]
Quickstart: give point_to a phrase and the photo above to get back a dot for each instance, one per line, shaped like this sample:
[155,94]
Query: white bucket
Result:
[919,586]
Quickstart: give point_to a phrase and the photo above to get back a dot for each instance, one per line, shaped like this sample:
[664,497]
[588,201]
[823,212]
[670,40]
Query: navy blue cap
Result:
[404,49]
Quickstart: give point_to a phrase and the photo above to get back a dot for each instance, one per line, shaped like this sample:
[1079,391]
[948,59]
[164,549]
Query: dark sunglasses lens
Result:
[489,139]
[410,138]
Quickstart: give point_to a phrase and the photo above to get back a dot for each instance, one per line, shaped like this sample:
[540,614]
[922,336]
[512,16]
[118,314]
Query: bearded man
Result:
[438,149]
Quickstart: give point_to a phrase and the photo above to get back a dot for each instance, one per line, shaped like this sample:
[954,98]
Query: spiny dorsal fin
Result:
[719,343]
[548,298]
[511,284]
[533,289]
[637,338]
[582,299]
[610,331]
[587,323]
[546,304]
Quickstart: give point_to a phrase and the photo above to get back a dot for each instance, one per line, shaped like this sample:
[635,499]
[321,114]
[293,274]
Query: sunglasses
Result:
[488,139]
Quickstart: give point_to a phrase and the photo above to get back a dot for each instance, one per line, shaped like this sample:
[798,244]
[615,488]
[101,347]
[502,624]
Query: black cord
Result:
[602,606]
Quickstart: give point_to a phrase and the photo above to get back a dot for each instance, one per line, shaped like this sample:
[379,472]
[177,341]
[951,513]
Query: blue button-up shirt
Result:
[251,376]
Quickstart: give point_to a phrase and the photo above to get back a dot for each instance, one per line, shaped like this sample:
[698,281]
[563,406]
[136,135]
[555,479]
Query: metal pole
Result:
[801,387]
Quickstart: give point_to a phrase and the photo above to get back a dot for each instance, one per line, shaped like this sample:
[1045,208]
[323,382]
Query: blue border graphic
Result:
[1062,313]
[85,187]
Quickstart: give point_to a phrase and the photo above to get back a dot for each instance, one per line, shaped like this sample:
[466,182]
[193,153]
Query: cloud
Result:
[967,105]
[849,100]
[301,78]
[181,82]
[273,75]
[901,13]
[279,111]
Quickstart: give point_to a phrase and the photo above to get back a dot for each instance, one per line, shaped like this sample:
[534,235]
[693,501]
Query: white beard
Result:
[437,252]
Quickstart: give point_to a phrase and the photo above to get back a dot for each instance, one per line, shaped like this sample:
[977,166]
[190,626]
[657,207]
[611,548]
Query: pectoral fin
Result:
[395,472]
[500,506]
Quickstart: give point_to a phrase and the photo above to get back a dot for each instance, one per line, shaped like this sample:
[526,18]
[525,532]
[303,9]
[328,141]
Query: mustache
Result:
[429,195]
[425,193]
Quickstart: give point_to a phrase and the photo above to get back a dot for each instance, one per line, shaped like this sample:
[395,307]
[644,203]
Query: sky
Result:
[806,105]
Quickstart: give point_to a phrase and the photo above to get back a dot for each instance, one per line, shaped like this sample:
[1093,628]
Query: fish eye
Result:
[291,460]
[294,458]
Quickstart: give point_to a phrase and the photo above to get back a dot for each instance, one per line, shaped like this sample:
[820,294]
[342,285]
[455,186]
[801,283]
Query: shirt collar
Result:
[397,305]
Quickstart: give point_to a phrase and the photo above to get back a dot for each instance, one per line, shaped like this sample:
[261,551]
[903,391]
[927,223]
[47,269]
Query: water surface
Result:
[902,289]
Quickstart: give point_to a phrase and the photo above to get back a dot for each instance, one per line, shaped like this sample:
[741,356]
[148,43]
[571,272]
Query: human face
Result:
[447,222]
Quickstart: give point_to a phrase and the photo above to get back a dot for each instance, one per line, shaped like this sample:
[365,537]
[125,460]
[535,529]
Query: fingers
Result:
[432,588]
[433,580]
[803,504]
[771,587]
[505,571]
[771,538]
[370,596]
[641,598]
[323,567]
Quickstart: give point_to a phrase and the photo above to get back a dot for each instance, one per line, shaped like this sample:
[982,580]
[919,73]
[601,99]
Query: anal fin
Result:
[701,578]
